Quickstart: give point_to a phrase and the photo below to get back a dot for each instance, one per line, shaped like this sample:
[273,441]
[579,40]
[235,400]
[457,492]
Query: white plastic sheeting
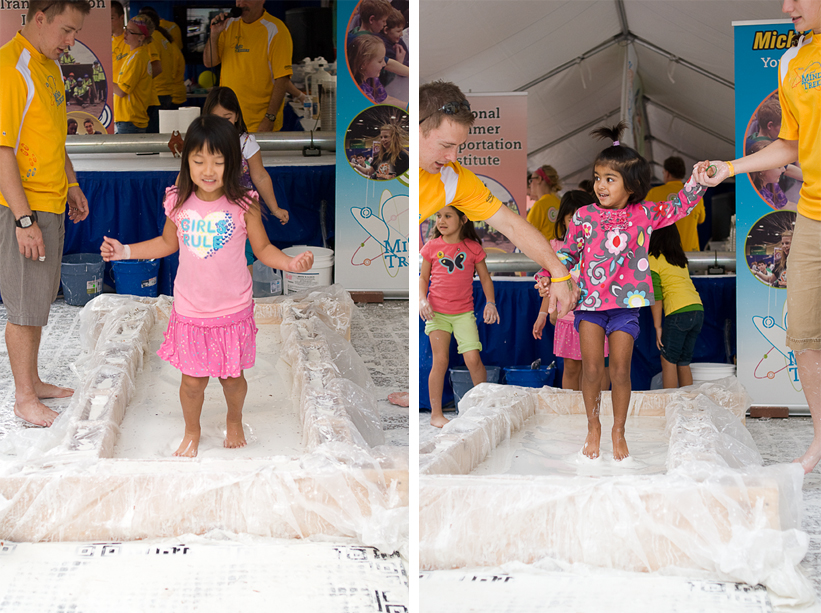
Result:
[60,483]
[717,512]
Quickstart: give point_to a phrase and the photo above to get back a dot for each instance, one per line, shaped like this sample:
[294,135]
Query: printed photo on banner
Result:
[376,144]
[778,187]
[376,50]
[767,248]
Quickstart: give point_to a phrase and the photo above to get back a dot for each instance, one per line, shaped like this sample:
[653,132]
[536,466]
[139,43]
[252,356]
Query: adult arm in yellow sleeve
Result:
[277,96]
[535,246]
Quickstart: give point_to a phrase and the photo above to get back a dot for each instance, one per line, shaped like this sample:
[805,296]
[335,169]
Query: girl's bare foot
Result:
[438,420]
[592,442]
[401,399]
[35,413]
[189,446]
[619,445]
[234,435]
[809,459]
[47,390]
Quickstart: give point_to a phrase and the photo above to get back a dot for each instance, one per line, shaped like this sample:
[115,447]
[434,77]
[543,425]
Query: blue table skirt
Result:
[128,206]
[511,342]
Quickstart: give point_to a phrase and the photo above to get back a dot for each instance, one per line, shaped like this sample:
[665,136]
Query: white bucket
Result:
[320,274]
[710,371]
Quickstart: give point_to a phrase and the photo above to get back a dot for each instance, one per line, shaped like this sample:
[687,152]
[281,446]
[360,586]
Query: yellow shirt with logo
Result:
[253,55]
[799,91]
[455,186]
[135,80]
[687,226]
[119,51]
[543,215]
[33,123]
[174,30]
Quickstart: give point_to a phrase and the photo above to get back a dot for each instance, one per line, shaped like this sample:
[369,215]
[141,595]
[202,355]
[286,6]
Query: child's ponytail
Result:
[631,165]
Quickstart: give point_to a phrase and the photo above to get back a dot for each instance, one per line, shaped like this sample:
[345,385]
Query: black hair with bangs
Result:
[666,241]
[216,136]
[629,163]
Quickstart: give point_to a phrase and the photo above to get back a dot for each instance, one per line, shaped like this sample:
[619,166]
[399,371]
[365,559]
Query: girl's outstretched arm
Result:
[160,247]
[491,315]
[262,182]
[267,253]
[425,312]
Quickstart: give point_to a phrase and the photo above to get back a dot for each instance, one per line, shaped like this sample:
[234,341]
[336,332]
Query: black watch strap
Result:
[29,219]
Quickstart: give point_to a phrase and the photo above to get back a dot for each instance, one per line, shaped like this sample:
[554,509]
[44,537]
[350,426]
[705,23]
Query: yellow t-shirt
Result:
[455,186]
[543,215]
[135,80]
[800,97]
[179,95]
[33,123]
[163,82]
[687,226]
[677,286]
[253,55]
[174,30]
[119,51]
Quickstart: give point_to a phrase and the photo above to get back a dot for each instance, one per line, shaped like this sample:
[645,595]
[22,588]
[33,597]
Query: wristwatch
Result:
[270,116]
[26,220]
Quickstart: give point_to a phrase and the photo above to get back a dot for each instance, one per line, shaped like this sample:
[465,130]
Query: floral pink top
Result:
[611,247]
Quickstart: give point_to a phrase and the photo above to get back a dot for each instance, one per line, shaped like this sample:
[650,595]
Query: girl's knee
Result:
[619,376]
[472,359]
[193,385]
[232,382]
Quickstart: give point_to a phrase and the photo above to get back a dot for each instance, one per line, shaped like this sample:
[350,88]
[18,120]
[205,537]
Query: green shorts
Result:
[461,325]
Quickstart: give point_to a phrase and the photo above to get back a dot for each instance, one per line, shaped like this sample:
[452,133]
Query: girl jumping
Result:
[211,332]
[449,261]
[610,240]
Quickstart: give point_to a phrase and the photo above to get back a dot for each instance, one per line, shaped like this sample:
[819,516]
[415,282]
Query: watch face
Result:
[25,221]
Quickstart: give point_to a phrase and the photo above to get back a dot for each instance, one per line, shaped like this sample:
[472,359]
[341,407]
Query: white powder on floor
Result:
[153,425]
[551,445]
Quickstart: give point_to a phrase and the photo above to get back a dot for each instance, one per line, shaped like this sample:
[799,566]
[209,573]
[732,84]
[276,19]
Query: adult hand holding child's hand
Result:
[711,173]
[302,262]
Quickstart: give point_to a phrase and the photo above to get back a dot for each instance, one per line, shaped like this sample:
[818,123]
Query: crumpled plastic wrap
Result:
[716,512]
[60,483]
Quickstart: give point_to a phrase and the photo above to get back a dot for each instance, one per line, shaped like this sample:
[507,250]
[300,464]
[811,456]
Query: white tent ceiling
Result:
[569,57]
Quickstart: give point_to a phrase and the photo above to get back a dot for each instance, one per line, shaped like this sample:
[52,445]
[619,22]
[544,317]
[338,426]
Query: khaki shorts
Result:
[461,325]
[804,286]
[28,287]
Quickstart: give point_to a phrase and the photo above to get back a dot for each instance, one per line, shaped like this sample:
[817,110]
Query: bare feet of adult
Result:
[438,420]
[47,390]
[619,445]
[810,458]
[189,446]
[234,435]
[400,399]
[592,442]
[35,413]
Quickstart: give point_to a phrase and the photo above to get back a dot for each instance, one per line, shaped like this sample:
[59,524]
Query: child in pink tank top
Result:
[211,332]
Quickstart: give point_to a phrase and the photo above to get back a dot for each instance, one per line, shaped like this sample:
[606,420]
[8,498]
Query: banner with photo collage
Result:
[86,67]
[765,218]
[372,157]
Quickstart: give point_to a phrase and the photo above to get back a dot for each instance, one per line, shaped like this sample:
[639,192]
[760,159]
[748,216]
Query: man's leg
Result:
[23,346]
[809,372]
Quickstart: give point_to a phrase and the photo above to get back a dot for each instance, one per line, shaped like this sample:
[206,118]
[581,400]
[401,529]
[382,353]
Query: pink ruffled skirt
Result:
[213,346]
[567,344]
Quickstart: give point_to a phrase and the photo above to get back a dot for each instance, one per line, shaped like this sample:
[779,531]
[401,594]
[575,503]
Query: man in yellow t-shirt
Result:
[445,122]
[255,52]
[36,180]
[798,93]
[674,171]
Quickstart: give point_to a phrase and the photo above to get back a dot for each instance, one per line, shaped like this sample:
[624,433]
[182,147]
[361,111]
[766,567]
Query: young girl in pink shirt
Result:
[610,240]
[211,332]
[449,261]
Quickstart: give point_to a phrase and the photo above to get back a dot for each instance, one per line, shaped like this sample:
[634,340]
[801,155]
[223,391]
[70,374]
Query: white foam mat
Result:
[200,574]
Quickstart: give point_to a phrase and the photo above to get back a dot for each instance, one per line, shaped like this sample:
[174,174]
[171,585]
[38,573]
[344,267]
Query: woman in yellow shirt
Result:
[133,88]
[544,183]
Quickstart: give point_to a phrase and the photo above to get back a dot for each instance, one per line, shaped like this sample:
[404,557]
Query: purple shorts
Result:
[612,320]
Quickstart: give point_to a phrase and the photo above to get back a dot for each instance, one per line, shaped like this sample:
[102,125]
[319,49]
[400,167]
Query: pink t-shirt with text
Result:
[212,279]
[451,274]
